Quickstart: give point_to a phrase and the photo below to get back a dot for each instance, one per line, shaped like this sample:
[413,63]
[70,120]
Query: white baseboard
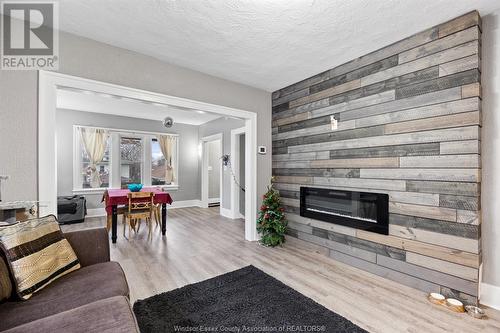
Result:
[226,212]
[231,214]
[213,200]
[96,212]
[185,203]
[490,295]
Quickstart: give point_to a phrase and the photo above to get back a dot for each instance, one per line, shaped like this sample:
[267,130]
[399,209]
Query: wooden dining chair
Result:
[140,206]
[120,210]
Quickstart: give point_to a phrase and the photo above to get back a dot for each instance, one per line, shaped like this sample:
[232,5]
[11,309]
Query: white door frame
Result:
[235,164]
[48,82]
[204,169]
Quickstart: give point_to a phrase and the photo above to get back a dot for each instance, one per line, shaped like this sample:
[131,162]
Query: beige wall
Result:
[90,59]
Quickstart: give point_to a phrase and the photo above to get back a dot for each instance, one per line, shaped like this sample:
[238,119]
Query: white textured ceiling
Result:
[120,106]
[262,43]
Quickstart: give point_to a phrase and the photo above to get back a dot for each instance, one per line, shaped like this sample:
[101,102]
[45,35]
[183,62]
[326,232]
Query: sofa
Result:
[94,298]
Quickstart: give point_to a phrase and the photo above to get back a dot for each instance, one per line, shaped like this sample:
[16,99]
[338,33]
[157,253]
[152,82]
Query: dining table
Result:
[116,197]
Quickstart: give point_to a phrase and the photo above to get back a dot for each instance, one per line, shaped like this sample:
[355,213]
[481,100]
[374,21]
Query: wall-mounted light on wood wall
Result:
[333,122]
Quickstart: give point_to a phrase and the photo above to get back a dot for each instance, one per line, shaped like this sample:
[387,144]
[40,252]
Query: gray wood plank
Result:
[441,44]
[387,85]
[453,188]
[303,156]
[459,202]
[402,104]
[447,241]
[460,23]
[331,136]
[327,128]
[319,172]
[429,275]
[375,162]
[424,149]
[433,110]
[385,272]
[292,96]
[460,65]
[374,99]
[436,213]
[334,237]
[459,147]
[451,175]
[464,272]
[446,161]
[448,121]
[435,59]
[445,82]
[322,103]
[438,226]
[450,134]
[356,74]
[382,184]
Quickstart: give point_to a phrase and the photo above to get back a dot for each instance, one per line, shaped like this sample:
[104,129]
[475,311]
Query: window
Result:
[158,164]
[131,158]
[86,178]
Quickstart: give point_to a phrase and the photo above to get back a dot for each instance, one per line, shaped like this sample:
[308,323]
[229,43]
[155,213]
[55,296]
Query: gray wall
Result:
[90,59]
[491,151]
[409,123]
[224,126]
[189,182]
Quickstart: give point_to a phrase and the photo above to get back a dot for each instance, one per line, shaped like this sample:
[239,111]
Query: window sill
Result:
[89,191]
[173,187]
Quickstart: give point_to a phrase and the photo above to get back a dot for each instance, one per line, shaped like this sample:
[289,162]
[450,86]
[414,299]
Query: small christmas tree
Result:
[271,223]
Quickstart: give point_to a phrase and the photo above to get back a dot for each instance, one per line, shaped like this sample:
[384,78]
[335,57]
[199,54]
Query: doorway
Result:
[238,165]
[211,171]
[50,82]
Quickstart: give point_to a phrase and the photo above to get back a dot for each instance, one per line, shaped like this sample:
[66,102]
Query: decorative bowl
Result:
[475,311]
[134,187]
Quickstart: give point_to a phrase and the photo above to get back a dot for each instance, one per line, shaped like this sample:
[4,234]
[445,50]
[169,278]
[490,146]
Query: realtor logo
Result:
[30,39]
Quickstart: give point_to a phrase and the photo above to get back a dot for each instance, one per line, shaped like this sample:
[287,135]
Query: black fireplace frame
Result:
[382,201]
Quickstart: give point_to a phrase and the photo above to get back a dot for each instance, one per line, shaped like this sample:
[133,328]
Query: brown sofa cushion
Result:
[5,283]
[109,315]
[37,254]
[86,285]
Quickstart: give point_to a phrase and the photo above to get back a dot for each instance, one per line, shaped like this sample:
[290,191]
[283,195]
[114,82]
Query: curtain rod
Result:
[120,130]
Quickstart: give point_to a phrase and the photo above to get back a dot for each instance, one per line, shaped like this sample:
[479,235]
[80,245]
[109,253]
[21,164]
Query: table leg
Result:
[114,222]
[163,219]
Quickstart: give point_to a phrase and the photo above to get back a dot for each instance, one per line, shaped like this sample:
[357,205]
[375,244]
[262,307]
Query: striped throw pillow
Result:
[37,254]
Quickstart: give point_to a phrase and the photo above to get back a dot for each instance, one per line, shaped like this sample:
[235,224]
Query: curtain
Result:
[94,141]
[167,146]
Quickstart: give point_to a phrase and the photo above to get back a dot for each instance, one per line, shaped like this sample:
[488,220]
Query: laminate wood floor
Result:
[201,244]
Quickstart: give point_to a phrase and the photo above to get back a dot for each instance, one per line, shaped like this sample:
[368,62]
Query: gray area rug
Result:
[246,300]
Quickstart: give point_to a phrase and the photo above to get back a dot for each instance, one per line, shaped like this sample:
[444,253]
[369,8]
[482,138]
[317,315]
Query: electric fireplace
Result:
[361,210]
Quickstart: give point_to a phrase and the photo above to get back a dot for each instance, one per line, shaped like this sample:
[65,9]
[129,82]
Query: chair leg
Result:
[109,221]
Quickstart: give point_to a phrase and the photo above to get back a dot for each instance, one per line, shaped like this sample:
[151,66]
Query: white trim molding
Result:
[184,204]
[235,164]
[490,295]
[96,212]
[204,168]
[49,82]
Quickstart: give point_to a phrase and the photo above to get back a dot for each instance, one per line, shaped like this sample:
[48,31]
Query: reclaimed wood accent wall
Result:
[409,121]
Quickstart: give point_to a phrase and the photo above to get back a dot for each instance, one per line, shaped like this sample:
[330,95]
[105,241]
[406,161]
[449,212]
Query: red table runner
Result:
[119,197]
